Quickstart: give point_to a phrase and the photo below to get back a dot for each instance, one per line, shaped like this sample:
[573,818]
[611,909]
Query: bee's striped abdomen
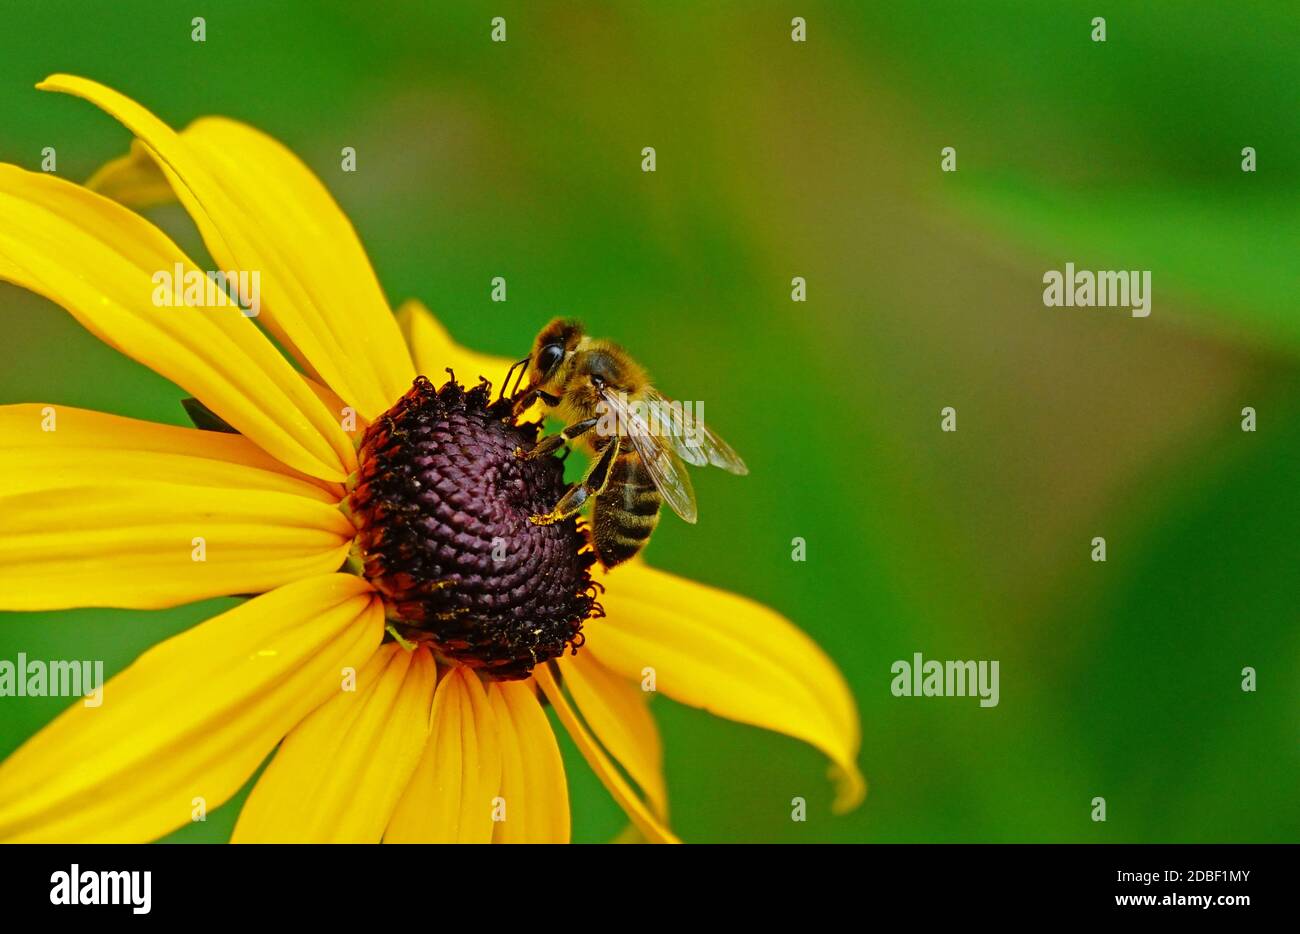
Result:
[626,512]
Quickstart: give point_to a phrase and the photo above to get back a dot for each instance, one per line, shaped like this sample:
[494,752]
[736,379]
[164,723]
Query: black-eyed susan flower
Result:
[408,623]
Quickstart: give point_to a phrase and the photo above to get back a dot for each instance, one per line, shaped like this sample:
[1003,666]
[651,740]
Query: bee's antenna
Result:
[510,372]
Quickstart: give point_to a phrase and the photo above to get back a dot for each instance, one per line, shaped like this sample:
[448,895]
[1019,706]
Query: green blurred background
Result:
[821,159]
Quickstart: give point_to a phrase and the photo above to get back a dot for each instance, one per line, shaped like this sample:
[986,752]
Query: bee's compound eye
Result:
[549,357]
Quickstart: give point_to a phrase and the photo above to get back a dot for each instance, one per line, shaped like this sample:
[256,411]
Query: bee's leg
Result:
[593,484]
[551,442]
[578,429]
[506,382]
[541,448]
[522,403]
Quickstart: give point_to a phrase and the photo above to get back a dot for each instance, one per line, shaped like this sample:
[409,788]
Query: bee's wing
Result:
[665,469]
[706,449]
[721,453]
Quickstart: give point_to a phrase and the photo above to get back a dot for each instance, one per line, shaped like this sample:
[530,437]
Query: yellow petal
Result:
[449,796]
[99,261]
[107,511]
[637,812]
[732,657]
[534,795]
[186,725]
[49,445]
[259,208]
[353,423]
[133,180]
[617,712]
[338,775]
[434,350]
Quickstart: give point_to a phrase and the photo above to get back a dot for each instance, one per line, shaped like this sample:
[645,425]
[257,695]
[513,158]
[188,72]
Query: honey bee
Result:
[637,438]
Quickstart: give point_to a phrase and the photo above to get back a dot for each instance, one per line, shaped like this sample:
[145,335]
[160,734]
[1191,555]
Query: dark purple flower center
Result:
[441,504]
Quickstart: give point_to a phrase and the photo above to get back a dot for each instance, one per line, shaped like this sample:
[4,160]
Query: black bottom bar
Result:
[1177,883]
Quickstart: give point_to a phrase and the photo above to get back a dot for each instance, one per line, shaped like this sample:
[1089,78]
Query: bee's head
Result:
[598,368]
[554,345]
